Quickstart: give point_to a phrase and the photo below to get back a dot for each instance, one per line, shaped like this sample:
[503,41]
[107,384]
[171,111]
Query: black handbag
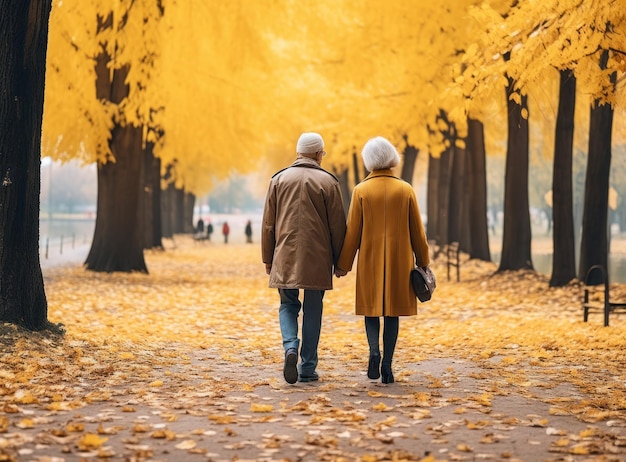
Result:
[423,282]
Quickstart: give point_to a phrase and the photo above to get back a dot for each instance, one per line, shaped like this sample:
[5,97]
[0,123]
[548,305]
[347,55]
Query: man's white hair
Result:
[378,154]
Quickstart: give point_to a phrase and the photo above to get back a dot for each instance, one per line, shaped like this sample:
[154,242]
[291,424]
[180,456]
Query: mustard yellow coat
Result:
[385,226]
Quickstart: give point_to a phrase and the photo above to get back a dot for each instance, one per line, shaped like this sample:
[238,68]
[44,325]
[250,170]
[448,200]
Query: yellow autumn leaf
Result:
[25,423]
[91,441]
[163,434]
[24,397]
[186,445]
[222,419]
[75,427]
[463,447]
[254,407]
[157,383]
[381,407]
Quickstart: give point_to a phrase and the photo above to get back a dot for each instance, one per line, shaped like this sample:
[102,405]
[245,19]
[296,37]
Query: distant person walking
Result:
[248,232]
[200,226]
[385,226]
[225,231]
[209,230]
[301,238]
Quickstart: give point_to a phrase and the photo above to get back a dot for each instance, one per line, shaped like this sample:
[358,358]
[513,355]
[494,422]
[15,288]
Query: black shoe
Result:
[312,377]
[373,368]
[290,369]
[387,375]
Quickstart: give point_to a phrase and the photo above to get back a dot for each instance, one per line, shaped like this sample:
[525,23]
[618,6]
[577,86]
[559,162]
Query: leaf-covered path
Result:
[186,364]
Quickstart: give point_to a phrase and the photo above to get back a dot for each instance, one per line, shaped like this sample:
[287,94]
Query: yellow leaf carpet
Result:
[186,364]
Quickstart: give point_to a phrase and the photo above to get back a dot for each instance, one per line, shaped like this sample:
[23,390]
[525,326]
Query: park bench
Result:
[200,236]
[596,296]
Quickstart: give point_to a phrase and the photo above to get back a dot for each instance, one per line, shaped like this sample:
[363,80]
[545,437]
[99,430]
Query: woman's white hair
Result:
[379,154]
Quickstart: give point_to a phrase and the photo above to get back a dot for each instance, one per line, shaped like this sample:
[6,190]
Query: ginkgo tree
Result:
[567,36]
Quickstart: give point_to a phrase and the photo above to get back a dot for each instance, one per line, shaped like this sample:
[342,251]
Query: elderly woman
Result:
[385,226]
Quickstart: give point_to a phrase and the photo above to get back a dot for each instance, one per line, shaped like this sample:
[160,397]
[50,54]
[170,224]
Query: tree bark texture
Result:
[564,254]
[477,185]
[118,240]
[23,43]
[594,240]
[516,234]
[119,232]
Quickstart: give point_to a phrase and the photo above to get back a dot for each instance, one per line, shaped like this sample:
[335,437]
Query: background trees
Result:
[234,84]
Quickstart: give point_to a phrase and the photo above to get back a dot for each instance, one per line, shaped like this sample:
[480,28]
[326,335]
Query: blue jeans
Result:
[311,324]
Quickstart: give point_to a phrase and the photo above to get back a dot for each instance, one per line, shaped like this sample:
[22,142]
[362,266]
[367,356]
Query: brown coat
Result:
[385,226]
[303,226]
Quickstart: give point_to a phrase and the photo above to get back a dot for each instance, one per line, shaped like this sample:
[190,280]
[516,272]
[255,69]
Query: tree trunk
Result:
[356,167]
[477,179]
[443,200]
[432,198]
[178,210]
[516,234]
[167,221]
[346,192]
[189,204]
[23,41]
[119,232]
[152,199]
[118,239]
[594,243]
[457,216]
[564,254]
[408,166]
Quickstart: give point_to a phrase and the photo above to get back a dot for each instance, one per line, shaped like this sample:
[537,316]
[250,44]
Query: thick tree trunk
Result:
[477,179]
[119,232]
[23,41]
[118,239]
[564,255]
[516,234]
[594,241]
[408,166]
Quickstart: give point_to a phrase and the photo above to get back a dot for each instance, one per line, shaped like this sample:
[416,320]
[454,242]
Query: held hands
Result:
[340,273]
[268,268]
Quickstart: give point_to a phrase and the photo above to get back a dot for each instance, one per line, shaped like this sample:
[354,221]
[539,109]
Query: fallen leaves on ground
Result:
[188,360]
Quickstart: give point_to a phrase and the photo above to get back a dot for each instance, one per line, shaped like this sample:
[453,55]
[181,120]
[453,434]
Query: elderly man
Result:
[301,238]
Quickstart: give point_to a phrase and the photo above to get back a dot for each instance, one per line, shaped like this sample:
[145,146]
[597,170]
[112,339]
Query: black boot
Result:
[373,368]
[387,375]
